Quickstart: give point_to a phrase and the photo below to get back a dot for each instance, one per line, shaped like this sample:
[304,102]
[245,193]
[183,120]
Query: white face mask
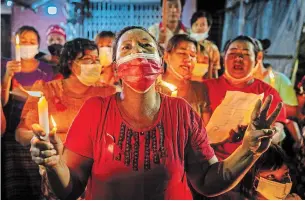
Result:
[200,69]
[243,79]
[272,190]
[105,55]
[28,51]
[200,36]
[90,74]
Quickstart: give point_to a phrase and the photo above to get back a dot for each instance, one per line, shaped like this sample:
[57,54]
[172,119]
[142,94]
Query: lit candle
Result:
[171,87]
[272,78]
[44,116]
[17,49]
[174,93]
[54,124]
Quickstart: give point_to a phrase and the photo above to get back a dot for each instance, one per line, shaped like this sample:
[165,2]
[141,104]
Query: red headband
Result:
[57,30]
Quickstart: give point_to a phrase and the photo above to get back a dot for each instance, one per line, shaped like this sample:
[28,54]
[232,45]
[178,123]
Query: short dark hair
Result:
[115,44]
[176,39]
[104,34]
[246,39]
[181,1]
[70,51]
[23,29]
[273,159]
[267,65]
[200,14]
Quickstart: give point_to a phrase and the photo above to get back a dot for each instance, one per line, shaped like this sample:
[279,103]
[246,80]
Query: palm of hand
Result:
[259,134]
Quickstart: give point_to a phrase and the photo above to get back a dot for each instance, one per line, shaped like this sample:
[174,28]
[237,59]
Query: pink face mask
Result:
[139,71]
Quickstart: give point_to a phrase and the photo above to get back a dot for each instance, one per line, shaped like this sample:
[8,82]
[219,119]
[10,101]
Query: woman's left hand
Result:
[259,134]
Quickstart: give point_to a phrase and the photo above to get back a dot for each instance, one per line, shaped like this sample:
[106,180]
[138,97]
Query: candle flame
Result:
[170,86]
[17,40]
[271,74]
[53,122]
[35,93]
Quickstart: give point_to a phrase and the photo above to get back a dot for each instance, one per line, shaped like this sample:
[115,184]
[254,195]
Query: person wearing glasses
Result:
[80,66]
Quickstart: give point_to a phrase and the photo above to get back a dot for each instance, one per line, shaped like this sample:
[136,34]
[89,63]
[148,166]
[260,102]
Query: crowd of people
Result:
[146,114]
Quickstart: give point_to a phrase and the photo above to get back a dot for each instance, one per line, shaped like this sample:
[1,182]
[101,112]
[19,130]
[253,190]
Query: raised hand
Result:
[56,88]
[259,134]
[162,35]
[45,153]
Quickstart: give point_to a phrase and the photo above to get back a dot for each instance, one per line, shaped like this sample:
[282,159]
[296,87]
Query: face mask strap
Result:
[137,56]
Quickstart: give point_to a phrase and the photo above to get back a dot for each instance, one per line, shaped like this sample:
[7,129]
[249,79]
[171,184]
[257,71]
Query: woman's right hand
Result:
[45,153]
[13,67]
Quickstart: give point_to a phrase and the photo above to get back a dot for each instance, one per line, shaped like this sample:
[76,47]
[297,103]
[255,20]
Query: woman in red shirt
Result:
[140,144]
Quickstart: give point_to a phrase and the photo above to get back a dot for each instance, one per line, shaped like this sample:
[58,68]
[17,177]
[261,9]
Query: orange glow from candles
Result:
[272,78]
[53,122]
[170,86]
[17,40]
[43,114]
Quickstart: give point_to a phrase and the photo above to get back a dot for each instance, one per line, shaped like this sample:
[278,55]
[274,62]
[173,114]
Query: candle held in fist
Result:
[44,116]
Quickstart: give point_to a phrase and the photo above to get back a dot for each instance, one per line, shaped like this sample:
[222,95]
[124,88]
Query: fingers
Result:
[52,88]
[14,66]
[38,131]
[275,114]
[35,151]
[51,161]
[38,160]
[42,145]
[255,113]
[264,144]
[48,161]
[265,107]
[54,139]
[48,153]
[264,133]
[60,87]
[43,153]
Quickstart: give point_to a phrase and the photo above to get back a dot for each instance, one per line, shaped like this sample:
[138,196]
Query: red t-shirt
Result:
[139,164]
[217,89]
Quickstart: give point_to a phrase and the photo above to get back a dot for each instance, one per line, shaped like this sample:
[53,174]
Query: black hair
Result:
[266,43]
[23,29]
[182,2]
[273,159]
[115,44]
[176,39]
[70,51]
[104,34]
[200,14]
[243,38]
[267,65]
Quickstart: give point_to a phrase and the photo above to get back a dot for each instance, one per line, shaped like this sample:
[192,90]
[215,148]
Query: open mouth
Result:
[238,67]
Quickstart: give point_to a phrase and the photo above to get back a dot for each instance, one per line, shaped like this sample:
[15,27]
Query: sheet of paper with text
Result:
[235,109]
